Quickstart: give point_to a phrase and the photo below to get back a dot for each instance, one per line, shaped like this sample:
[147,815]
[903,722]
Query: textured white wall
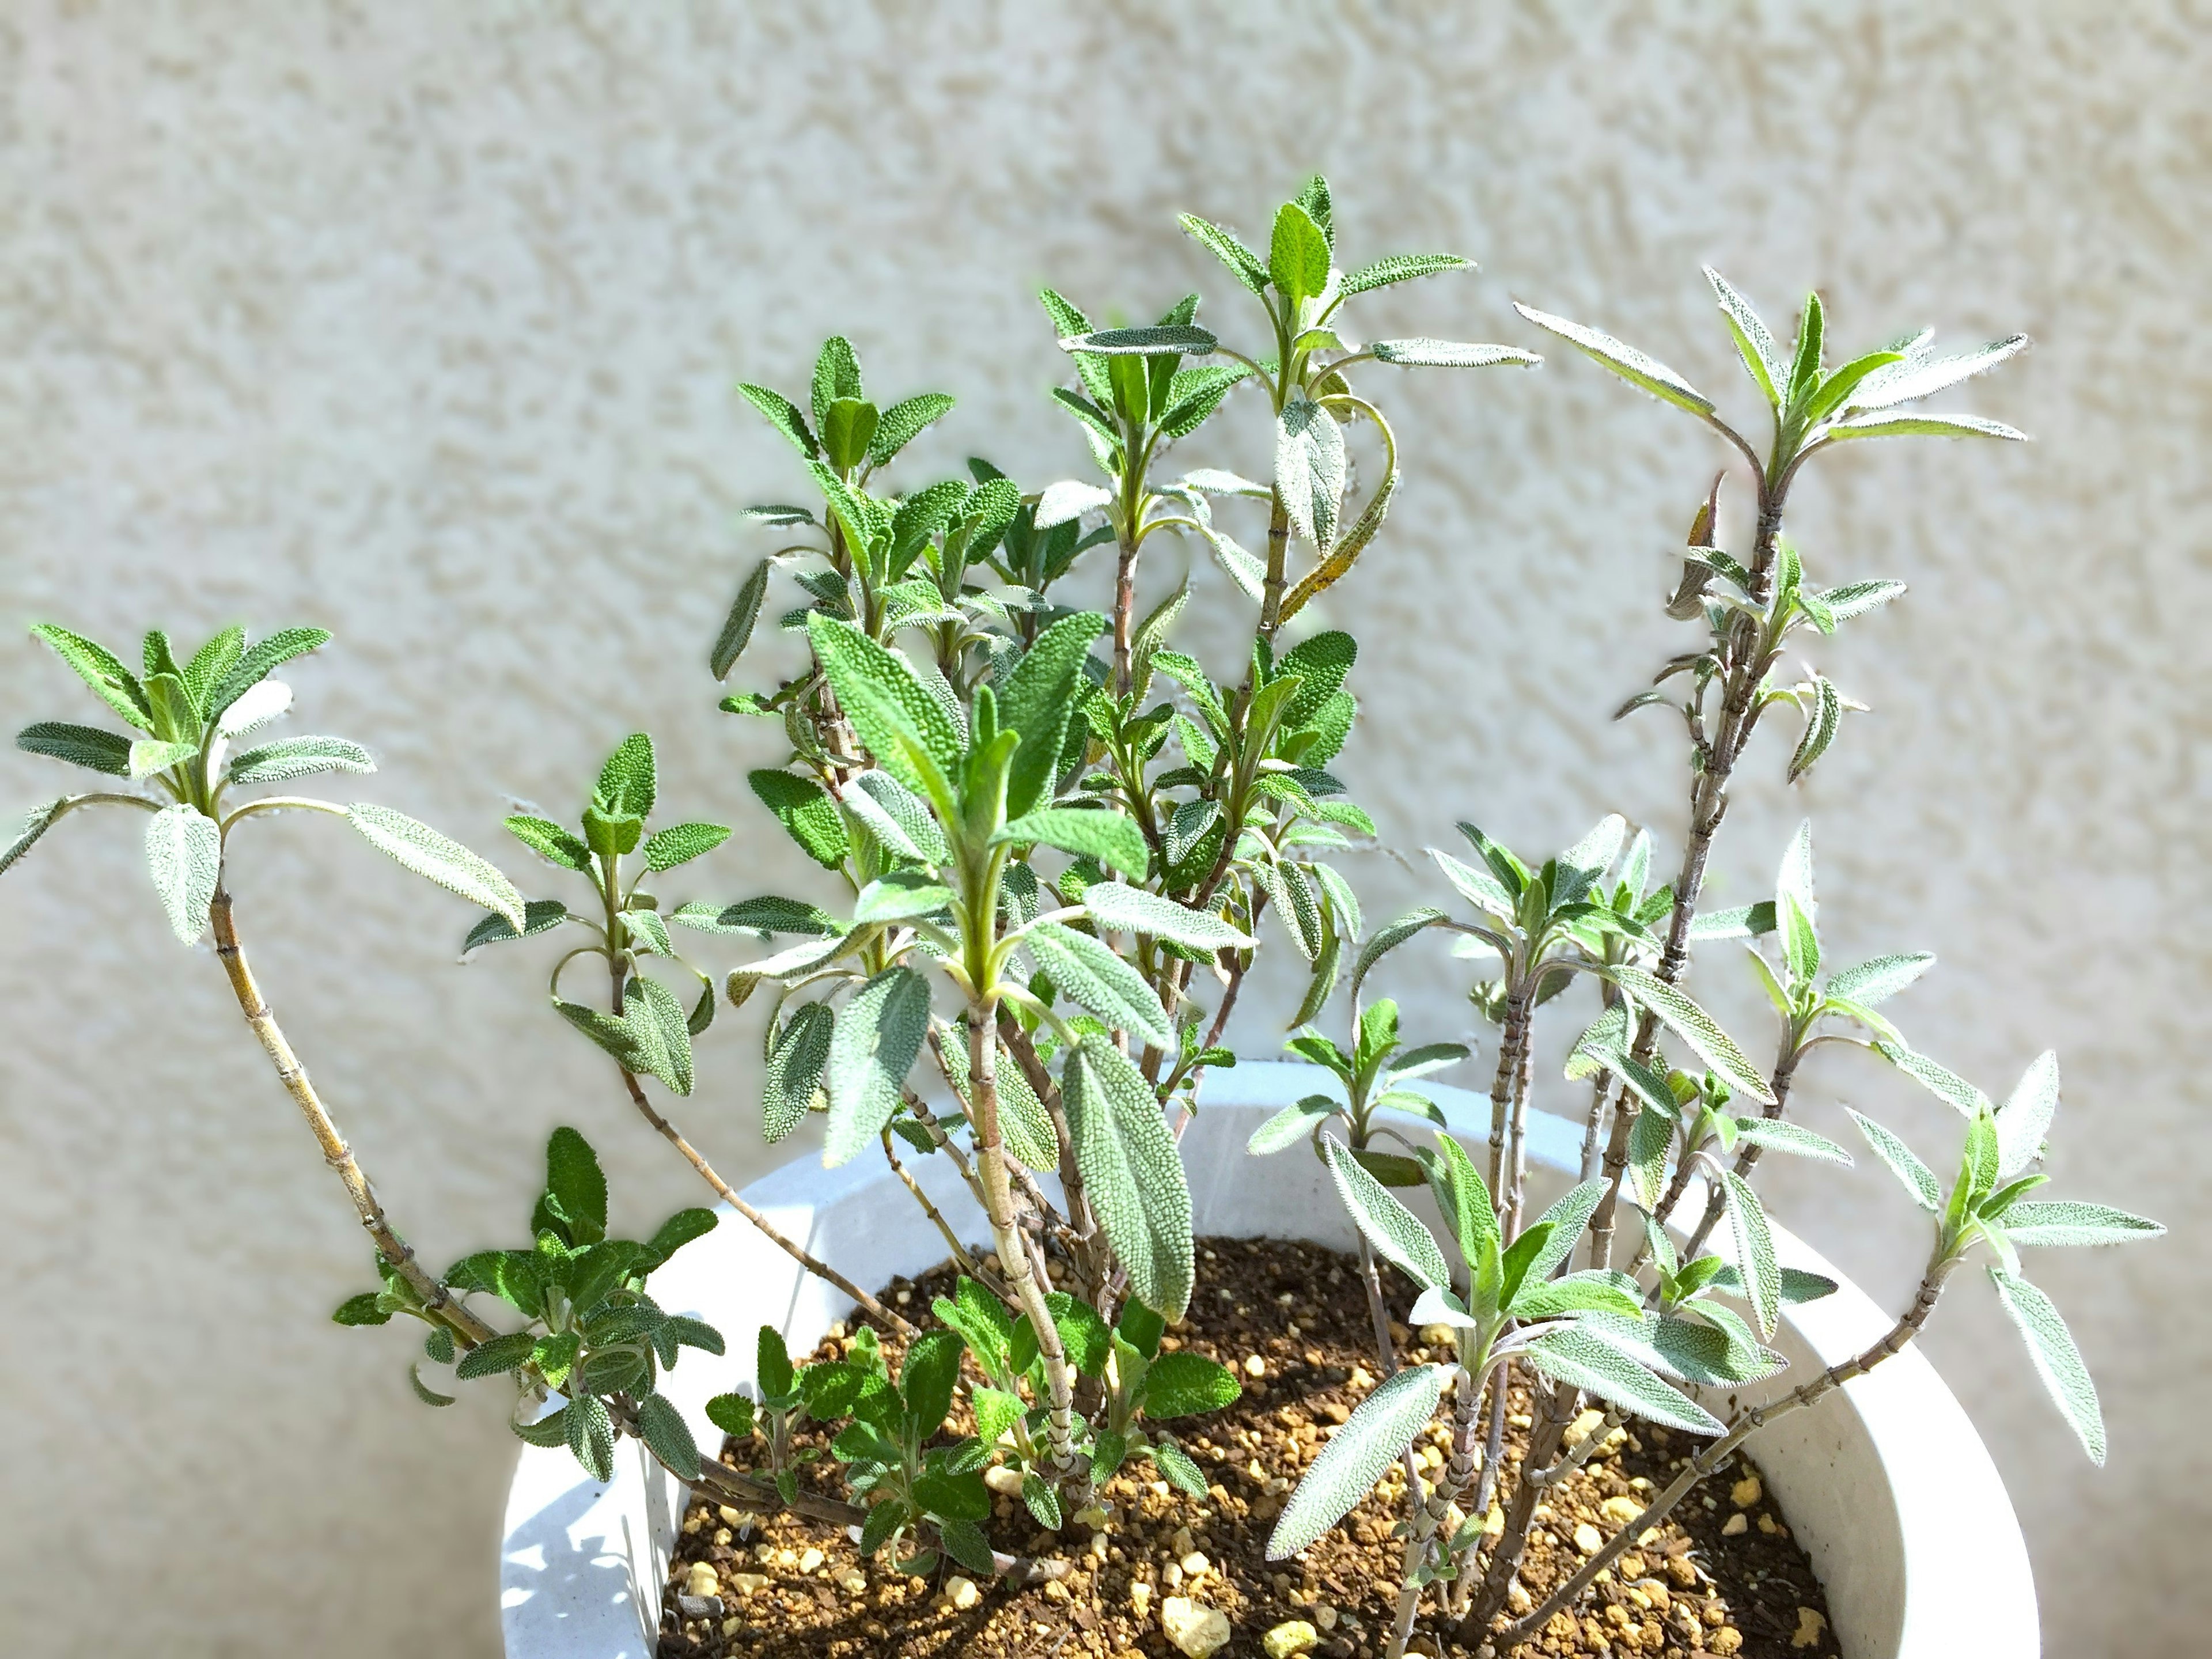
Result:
[420,321]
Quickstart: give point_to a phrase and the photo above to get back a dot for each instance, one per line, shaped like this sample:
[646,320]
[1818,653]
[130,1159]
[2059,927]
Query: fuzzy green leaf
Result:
[115,684]
[783,414]
[1632,365]
[878,1034]
[680,843]
[1114,841]
[1582,1358]
[80,745]
[262,659]
[738,626]
[1379,1430]
[1089,972]
[807,814]
[1112,904]
[1241,260]
[184,854]
[1133,1171]
[1694,1026]
[2072,1224]
[2057,1361]
[1396,1233]
[1918,1179]
[1448,354]
[1186,1384]
[1400,268]
[418,847]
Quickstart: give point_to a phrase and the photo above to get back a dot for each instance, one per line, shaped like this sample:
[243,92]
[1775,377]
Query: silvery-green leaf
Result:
[795,1064]
[1593,1292]
[1132,1172]
[1024,1123]
[152,754]
[1448,354]
[660,1033]
[1821,727]
[2057,1361]
[80,745]
[39,819]
[1214,481]
[1649,1140]
[184,854]
[1398,1235]
[1945,1085]
[256,705]
[896,817]
[649,933]
[1873,983]
[1242,569]
[1386,939]
[1292,1125]
[1400,268]
[1437,1306]
[1477,886]
[738,626]
[1754,1252]
[1143,342]
[1378,1430]
[2063,1223]
[1921,377]
[1625,361]
[1310,463]
[298,757]
[1113,904]
[2024,1121]
[418,847]
[1071,498]
[806,958]
[879,1033]
[1694,1026]
[539,916]
[1580,1358]
[1857,599]
[1114,841]
[1592,856]
[1429,1058]
[1918,1179]
[1743,921]
[1777,1134]
[1566,1216]
[1760,355]
[1086,970]
[591,1436]
[1924,426]
[899,897]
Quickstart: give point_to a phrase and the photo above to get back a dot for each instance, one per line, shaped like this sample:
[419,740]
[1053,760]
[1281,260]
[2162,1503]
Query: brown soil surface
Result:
[1695,1591]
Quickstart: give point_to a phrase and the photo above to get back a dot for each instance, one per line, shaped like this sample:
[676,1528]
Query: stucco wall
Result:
[420,321]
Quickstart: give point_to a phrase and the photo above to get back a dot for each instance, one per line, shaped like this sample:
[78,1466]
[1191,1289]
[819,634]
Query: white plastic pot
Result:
[1885,1483]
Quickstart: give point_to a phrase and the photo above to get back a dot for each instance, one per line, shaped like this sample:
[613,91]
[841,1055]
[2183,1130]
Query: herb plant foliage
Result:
[1055,841]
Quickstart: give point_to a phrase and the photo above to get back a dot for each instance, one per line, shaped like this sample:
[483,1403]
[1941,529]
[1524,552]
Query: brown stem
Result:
[1785,1069]
[1125,605]
[1087,1252]
[1013,1254]
[1429,1515]
[697,1160]
[1907,1327]
[1278,555]
[436,1299]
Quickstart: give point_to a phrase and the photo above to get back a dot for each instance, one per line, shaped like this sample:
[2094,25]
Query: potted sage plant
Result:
[1065,1344]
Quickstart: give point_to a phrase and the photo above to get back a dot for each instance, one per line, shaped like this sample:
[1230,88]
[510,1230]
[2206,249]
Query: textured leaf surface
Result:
[184,854]
[1398,1235]
[1695,1027]
[738,626]
[80,745]
[2067,1223]
[2057,1361]
[1086,969]
[418,847]
[1917,1178]
[298,757]
[1132,1172]
[1345,1471]
[1625,361]
[794,1069]
[1754,1252]
[1114,841]
[1112,904]
[1448,354]
[1579,1357]
[807,814]
[878,1033]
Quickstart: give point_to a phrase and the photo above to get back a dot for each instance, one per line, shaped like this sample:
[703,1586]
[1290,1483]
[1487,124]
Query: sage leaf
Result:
[418,847]
[1378,1430]
[1396,1233]
[1873,983]
[1113,840]
[1310,463]
[1694,1026]
[2025,1119]
[878,1033]
[738,626]
[1448,354]
[1086,969]
[184,854]
[1400,268]
[1626,360]
[80,745]
[1917,1178]
[1292,1125]
[2072,1224]
[1113,904]
[297,757]
[2056,1360]
[1754,1252]
[1132,1172]
[115,684]
[1582,1358]
[795,1064]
